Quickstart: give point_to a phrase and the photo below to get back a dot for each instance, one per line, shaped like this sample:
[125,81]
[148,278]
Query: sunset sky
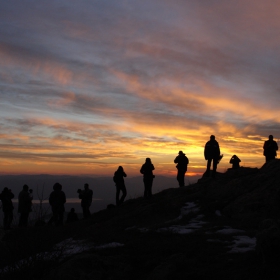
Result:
[88,85]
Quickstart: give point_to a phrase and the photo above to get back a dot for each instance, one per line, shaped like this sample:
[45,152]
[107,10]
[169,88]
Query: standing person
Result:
[6,197]
[182,165]
[57,200]
[269,148]
[119,181]
[24,205]
[86,199]
[235,160]
[148,177]
[212,153]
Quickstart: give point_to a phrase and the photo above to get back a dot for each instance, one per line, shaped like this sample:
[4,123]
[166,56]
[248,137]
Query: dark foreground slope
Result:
[225,228]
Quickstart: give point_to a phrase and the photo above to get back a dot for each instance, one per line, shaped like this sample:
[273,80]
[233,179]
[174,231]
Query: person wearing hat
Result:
[212,153]
[235,160]
[182,165]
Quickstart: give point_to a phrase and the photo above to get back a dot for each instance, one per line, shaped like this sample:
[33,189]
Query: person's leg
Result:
[215,163]
[117,195]
[24,219]
[182,177]
[178,178]
[5,220]
[59,221]
[123,194]
[87,212]
[145,187]
[10,218]
[209,161]
[150,187]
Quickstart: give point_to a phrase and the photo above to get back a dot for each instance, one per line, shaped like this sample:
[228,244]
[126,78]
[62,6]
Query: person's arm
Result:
[205,152]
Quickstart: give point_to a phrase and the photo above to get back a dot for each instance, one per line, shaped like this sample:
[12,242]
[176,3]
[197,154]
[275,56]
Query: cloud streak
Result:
[87,86]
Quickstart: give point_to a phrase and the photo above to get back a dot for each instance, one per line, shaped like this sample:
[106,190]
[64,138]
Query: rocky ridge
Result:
[225,228]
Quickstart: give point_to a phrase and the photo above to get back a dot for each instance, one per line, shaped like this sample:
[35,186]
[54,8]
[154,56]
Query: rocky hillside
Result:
[223,228]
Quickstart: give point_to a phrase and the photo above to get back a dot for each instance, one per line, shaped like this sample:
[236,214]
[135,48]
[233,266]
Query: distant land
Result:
[104,189]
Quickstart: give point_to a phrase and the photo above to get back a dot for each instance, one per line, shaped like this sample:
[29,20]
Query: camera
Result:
[79,190]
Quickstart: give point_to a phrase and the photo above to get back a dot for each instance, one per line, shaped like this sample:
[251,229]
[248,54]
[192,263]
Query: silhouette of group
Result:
[57,198]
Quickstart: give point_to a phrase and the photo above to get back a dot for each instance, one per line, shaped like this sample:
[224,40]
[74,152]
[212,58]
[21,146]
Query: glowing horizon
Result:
[88,86]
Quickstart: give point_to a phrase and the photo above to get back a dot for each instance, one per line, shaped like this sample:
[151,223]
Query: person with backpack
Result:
[212,153]
[182,165]
[119,181]
[148,177]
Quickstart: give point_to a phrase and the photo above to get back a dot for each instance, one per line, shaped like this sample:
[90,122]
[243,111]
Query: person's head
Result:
[86,186]
[270,137]
[25,187]
[148,160]
[181,153]
[212,137]
[57,186]
[120,168]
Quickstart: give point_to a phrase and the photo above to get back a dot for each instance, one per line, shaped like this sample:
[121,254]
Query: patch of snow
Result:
[70,247]
[190,207]
[143,229]
[110,245]
[243,244]
[218,213]
[131,228]
[229,230]
[217,241]
[139,229]
[191,227]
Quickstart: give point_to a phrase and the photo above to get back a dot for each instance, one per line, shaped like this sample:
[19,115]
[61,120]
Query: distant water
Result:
[97,205]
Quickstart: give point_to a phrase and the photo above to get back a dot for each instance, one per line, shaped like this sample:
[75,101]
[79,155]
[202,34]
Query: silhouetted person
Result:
[24,205]
[57,200]
[119,181]
[86,199]
[72,216]
[148,177]
[235,160]
[182,165]
[212,153]
[6,197]
[269,148]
